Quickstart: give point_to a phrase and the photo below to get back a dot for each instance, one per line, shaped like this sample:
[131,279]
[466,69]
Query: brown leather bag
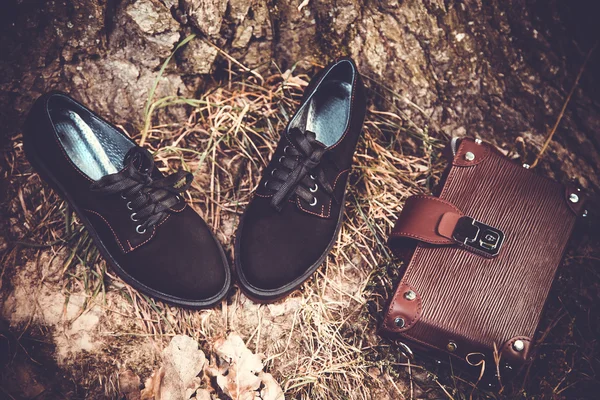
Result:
[487,251]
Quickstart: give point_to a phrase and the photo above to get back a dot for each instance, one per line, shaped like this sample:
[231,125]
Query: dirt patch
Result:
[35,302]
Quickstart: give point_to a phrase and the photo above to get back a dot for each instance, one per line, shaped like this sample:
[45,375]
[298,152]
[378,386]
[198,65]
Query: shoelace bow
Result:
[148,199]
[298,171]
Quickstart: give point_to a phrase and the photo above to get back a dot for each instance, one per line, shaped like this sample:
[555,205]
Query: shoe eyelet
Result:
[265,184]
[314,202]
[281,159]
[285,150]
[129,206]
[133,218]
[273,171]
[312,190]
[137,229]
[123,197]
[178,197]
[312,177]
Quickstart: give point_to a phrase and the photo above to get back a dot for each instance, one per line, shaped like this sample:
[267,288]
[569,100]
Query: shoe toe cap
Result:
[276,249]
[183,261]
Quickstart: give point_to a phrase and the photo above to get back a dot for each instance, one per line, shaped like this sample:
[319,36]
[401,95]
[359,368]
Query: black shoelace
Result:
[148,199]
[299,171]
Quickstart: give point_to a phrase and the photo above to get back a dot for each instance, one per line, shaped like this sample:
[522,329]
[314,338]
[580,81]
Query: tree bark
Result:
[499,70]
[496,69]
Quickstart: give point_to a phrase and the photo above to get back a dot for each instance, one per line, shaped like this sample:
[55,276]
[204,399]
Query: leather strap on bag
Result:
[427,219]
[432,220]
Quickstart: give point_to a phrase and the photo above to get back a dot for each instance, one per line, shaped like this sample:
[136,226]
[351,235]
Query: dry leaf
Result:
[202,394]
[177,377]
[129,385]
[271,389]
[240,376]
[152,385]
[184,370]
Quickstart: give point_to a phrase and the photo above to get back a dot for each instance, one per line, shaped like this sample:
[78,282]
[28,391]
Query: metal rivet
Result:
[585,213]
[469,156]
[410,295]
[451,347]
[526,166]
[518,345]
[478,141]
[399,322]
[573,198]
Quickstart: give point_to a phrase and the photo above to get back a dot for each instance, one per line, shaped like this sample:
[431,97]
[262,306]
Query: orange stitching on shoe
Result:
[338,176]
[110,227]
[154,228]
[322,215]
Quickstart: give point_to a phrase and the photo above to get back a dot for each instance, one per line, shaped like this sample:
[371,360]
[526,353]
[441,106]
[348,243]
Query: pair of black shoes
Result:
[141,224]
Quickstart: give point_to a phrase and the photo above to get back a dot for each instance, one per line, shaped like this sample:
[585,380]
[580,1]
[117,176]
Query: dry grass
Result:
[321,341]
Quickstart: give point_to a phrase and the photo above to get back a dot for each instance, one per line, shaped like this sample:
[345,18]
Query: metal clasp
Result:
[478,236]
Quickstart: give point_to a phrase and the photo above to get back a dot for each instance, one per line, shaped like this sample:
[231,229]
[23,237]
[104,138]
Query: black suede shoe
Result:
[136,216]
[293,220]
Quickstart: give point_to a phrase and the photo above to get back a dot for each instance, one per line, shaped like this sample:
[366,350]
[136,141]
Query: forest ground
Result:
[72,328]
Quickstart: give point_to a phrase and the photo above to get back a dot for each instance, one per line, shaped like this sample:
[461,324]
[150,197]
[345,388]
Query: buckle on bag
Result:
[478,236]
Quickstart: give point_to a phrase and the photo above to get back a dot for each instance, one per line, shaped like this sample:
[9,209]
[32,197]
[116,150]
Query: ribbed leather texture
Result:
[480,301]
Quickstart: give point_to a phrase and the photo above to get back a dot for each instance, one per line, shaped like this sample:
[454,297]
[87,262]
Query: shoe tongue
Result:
[138,158]
[310,135]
